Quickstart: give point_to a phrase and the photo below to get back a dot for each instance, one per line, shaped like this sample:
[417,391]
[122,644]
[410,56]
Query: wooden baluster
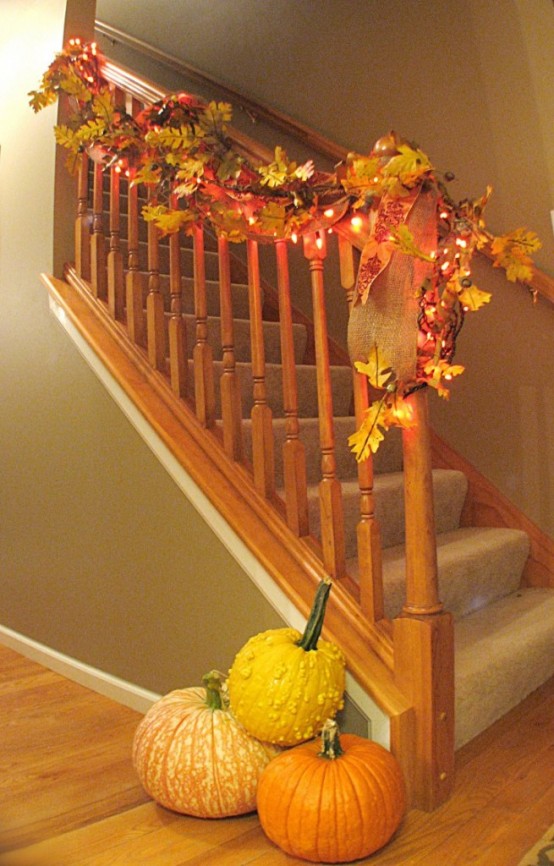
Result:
[177,332]
[370,560]
[262,416]
[294,455]
[134,294]
[330,496]
[82,224]
[204,391]
[155,325]
[134,290]
[231,411]
[423,634]
[97,241]
[370,563]
[115,259]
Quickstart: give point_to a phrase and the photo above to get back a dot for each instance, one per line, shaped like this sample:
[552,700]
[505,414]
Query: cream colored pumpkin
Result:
[191,755]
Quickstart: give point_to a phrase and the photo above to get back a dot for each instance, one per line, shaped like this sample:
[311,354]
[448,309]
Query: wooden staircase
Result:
[257,403]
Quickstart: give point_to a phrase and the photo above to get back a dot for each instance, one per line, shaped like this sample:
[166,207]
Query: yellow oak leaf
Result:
[408,166]
[378,370]
[39,99]
[279,171]
[272,219]
[103,105]
[437,371]
[362,172]
[167,220]
[215,116]
[65,136]
[513,253]
[472,298]
[370,434]
[403,240]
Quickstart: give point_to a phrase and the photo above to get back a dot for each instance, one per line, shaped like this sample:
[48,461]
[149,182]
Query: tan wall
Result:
[471,82]
[101,557]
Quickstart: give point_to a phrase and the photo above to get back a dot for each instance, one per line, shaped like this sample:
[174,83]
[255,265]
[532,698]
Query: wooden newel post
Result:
[424,633]
[330,494]
[422,587]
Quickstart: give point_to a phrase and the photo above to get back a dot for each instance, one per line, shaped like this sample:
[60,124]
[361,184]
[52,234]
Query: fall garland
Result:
[179,148]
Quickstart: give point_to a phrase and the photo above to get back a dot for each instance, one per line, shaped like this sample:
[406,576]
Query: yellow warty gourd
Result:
[284,685]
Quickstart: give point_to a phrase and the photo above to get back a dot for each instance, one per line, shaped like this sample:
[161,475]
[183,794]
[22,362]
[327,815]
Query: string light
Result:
[329,212]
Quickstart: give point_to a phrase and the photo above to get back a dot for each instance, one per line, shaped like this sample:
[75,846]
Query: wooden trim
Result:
[486,506]
[540,282]
[292,565]
[254,108]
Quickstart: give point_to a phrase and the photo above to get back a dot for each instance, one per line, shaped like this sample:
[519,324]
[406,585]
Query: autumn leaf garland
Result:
[179,148]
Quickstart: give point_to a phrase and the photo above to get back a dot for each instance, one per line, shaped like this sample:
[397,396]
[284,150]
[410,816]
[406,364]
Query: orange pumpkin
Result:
[193,757]
[332,805]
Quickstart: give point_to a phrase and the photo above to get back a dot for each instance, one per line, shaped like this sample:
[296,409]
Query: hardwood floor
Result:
[69,796]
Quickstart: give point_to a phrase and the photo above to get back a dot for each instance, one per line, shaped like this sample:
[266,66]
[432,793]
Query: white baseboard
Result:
[128,694]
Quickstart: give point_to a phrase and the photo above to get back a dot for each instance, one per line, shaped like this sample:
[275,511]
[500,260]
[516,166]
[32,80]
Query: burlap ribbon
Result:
[386,308]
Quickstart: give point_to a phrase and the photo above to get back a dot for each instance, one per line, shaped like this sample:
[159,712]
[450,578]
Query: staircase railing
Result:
[417,652]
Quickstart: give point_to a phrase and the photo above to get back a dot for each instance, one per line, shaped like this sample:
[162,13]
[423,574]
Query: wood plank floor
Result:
[69,796]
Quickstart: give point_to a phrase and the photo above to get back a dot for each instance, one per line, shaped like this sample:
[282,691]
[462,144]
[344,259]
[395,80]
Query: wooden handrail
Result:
[541,282]
[255,109]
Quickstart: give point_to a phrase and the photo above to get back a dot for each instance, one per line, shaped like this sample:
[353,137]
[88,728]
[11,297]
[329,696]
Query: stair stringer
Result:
[283,567]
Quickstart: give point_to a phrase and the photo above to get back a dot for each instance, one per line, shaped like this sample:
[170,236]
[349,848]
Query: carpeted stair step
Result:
[341,380]
[476,566]
[503,652]
[187,265]
[241,309]
[449,490]
[387,459]
[272,342]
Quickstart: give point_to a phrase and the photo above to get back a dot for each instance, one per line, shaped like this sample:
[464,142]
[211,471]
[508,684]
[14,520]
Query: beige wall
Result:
[101,557]
[471,82]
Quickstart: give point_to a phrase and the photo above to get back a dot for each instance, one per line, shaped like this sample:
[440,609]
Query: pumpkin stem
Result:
[309,639]
[216,697]
[330,741]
